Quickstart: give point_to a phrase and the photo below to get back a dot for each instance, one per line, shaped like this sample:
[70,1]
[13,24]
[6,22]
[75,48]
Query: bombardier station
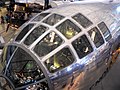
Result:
[72,46]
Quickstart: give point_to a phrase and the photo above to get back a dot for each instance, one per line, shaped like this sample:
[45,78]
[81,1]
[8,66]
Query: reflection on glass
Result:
[23,69]
[82,20]
[40,17]
[60,60]
[7,53]
[24,32]
[47,44]
[37,86]
[53,19]
[82,46]
[96,37]
[68,29]
[105,30]
[37,32]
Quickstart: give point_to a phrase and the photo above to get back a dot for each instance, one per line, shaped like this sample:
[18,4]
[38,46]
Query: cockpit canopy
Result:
[53,43]
[50,36]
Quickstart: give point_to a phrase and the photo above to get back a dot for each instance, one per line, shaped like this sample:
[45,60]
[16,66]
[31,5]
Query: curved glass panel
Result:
[82,20]
[47,44]
[24,32]
[96,37]
[68,29]
[53,19]
[23,69]
[37,32]
[40,17]
[105,31]
[82,46]
[42,85]
[60,60]
[6,54]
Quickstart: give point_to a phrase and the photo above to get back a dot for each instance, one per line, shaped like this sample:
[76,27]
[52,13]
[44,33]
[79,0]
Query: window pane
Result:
[96,37]
[105,30]
[68,29]
[37,32]
[42,85]
[6,54]
[82,20]
[53,19]
[23,69]
[47,44]
[40,17]
[82,46]
[24,32]
[60,60]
